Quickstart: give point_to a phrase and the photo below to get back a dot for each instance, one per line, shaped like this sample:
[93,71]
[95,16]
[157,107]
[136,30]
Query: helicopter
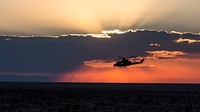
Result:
[125,61]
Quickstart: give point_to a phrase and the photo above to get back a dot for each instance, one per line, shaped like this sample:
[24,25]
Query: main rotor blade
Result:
[120,56]
[133,56]
[108,61]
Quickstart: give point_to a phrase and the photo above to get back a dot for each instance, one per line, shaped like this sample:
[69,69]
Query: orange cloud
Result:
[180,40]
[100,63]
[165,54]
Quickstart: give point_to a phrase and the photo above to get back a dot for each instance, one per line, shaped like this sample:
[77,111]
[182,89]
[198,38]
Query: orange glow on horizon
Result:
[152,71]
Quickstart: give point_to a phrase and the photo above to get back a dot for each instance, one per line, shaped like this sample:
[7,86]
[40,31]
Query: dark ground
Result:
[72,97]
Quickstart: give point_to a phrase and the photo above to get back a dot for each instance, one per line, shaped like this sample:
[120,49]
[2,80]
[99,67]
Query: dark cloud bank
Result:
[52,56]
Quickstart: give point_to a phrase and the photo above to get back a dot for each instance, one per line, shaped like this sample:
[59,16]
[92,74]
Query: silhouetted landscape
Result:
[77,97]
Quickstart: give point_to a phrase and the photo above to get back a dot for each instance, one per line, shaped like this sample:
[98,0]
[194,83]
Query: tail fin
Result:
[142,60]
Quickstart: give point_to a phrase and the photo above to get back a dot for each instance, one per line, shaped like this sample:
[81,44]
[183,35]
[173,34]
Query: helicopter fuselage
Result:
[127,63]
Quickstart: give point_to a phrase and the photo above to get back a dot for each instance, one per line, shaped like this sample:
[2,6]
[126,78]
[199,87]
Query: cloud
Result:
[102,35]
[117,31]
[166,54]
[106,34]
[183,33]
[99,63]
[175,32]
[66,53]
[155,45]
[181,40]
[87,35]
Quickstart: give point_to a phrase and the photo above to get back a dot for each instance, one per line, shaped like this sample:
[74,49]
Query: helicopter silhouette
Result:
[125,61]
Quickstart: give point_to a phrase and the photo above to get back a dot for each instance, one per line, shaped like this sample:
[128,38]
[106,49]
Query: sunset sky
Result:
[72,40]
[50,17]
